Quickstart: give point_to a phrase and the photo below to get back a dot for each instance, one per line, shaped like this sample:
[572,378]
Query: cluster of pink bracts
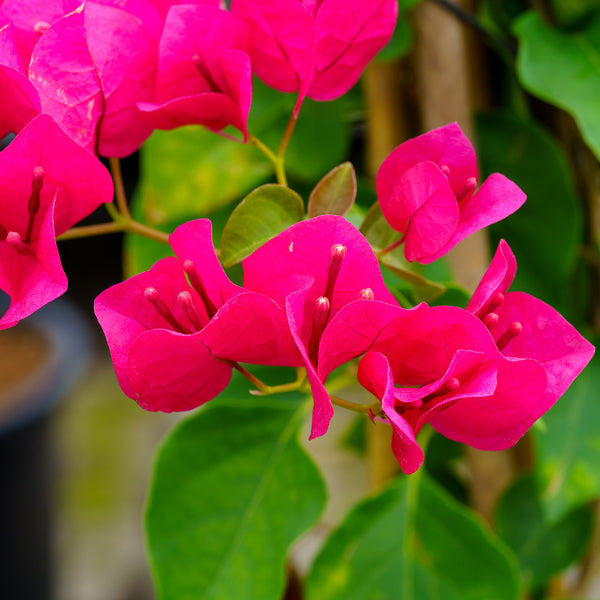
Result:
[102,76]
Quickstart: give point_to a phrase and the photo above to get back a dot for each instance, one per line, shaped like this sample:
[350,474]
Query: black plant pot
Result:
[26,469]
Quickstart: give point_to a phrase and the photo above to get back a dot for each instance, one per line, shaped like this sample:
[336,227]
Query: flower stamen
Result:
[151,294]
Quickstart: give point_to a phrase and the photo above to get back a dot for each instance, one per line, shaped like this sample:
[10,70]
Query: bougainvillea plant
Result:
[271,315]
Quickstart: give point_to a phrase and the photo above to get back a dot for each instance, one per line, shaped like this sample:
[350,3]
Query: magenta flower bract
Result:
[20,100]
[426,190]
[315,268]
[90,68]
[48,183]
[204,72]
[447,370]
[317,48]
[524,326]
[173,340]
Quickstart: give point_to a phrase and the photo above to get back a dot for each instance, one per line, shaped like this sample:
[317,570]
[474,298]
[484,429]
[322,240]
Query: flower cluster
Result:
[97,77]
[314,296]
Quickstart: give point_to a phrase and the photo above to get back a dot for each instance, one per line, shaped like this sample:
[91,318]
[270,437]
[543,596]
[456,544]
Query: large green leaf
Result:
[543,549]
[569,446]
[412,542]
[232,490]
[262,214]
[546,231]
[563,69]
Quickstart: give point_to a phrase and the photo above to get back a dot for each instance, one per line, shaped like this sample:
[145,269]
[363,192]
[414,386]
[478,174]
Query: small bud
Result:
[41,27]
[445,169]
[151,294]
[190,270]
[337,253]
[13,239]
[33,205]
[367,294]
[513,330]
[469,185]
[451,385]
[491,320]
[320,316]
[186,302]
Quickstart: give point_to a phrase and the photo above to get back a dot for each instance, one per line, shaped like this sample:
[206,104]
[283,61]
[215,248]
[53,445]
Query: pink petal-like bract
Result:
[204,74]
[173,339]
[90,69]
[525,327]
[20,101]
[48,184]
[349,34]
[437,173]
[449,370]
[315,268]
[31,19]
[283,39]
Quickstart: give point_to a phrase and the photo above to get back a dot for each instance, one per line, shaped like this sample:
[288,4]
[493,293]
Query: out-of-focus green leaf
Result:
[563,69]
[335,193]
[377,230]
[321,139]
[502,12]
[570,12]
[232,490]
[192,172]
[261,215]
[546,231]
[412,542]
[568,450]
[543,549]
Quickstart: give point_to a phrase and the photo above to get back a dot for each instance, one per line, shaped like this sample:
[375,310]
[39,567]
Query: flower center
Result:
[513,330]
[151,294]
[190,270]
[13,239]
[202,68]
[33,205]
[320,316]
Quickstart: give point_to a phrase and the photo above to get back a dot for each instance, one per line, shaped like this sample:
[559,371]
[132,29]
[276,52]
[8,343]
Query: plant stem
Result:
[287,135]
[154,234]
[91,230]
[275,160]
[360,408]
[117,175]
[262,387]
[390,248]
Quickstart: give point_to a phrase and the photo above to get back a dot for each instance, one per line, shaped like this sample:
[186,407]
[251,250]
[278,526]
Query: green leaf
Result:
[412,542]
[262,214]
[543,549]
[335,193]
[232,490]
[187,173]
[377,230]
[568,450]
[192,171]
[545,233]
[563,69]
